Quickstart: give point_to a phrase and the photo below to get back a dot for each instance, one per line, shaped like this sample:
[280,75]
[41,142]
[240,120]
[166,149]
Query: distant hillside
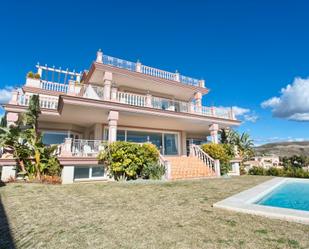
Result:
[284,148]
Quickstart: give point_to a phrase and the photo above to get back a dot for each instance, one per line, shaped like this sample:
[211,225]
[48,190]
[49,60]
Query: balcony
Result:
[128,98]
[139,67]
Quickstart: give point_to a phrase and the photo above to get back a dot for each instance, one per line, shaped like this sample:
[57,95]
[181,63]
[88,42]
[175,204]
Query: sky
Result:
[253,55]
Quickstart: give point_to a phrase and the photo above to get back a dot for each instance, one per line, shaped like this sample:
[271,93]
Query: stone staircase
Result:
[183,167]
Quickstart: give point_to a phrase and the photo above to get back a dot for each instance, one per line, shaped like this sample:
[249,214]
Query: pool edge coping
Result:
[244,202]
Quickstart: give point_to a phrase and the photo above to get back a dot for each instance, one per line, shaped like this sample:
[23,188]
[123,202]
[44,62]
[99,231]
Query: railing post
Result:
[217,168]
[138,66]
[114,93]
[201,83]
[99,58]
[177,76]
[168,168]
[148,100]
[66,148]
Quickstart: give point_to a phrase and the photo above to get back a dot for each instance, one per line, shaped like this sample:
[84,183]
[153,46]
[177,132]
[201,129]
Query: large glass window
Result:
[97,171]
[144,136]
[170,144]
[81,172]
[121,135]
[50,137]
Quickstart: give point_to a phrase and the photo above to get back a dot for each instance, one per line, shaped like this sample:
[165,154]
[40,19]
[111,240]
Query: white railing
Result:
[88,148]
[53,86]
[189,80]
[113,61]
[158,73]
[169,104]
[204,157]
[131,98]
[138,67]
[57,75]
[45,102]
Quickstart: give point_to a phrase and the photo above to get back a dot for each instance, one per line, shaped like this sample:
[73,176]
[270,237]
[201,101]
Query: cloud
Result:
[245,114]
[5,95]
[293,103]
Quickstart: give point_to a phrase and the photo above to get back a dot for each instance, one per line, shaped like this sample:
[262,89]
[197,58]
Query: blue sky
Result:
[246,51]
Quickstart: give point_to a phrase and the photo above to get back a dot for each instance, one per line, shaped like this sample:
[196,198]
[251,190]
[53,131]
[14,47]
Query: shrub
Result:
[287,172]
[37,76]
[257,171]
[153,171]
[221,152]
[30,75]
[126,160]
[53,167]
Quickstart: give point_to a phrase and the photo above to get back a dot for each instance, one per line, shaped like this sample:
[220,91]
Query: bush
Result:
[222,152]
[30,75]
[127,160]
[286,172]
[257,171]
[153,171]
[53,168]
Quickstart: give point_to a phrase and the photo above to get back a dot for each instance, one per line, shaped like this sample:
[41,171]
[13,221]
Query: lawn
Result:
[139,215]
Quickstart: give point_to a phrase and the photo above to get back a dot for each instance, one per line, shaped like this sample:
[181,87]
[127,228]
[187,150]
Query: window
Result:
[97,171]
[121,135]
[50,137]
[81,172]
[170,144]
[88,172]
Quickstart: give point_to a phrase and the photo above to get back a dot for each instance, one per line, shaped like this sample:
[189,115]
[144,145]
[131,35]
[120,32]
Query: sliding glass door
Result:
[167,143]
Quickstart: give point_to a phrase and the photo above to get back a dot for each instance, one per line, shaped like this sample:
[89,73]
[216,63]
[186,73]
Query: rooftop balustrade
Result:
[155,72]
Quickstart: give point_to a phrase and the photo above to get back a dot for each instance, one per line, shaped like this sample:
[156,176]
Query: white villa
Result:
[121,100]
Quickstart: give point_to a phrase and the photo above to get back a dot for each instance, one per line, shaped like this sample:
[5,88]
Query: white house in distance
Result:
[122,100]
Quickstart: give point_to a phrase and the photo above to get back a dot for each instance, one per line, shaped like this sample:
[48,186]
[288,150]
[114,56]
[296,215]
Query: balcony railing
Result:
[138,67]
[97,92]
[45,102]
[86,148]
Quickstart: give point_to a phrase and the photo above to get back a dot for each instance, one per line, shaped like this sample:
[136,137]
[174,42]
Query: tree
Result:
[243,142]
[24,141]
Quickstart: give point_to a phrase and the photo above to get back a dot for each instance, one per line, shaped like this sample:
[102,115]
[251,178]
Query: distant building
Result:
[265,162]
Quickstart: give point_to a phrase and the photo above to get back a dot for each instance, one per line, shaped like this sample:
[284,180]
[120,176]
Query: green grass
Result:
[141,215]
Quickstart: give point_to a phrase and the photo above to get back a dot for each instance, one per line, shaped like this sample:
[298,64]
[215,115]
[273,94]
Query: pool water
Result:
[294,195]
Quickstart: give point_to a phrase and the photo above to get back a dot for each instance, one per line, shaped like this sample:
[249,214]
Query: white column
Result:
[217,168]
[108,77]
[148,100]
[177,76]
[112,126]
[201,83]
[67,174]
[198,101]
[99,56]
[114,94]
[214,133]
[8,172]
[138,66]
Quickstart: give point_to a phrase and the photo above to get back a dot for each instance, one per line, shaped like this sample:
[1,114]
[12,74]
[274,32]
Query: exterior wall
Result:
[7,173]
[67,174]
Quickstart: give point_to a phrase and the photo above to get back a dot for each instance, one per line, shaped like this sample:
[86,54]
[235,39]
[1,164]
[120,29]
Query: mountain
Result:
[284,148]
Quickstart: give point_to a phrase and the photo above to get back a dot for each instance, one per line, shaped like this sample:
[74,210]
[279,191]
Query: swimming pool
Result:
[279,198]
[291,194]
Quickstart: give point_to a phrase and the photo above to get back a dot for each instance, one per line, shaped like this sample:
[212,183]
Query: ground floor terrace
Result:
[177,214]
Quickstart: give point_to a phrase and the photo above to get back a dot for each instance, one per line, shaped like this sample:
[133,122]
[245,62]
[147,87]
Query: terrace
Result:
[54,82]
